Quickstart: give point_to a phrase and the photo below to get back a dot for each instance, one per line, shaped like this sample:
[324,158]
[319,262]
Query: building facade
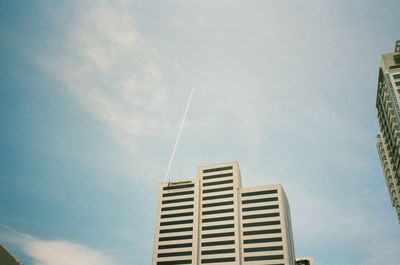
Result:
[211,219]
[305,261]
[6,258]
[388,112]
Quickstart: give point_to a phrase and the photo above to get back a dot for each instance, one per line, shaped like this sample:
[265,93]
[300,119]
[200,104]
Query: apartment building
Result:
[211,219]
[388,112]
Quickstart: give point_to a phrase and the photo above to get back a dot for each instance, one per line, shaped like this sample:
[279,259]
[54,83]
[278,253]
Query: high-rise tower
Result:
[388,108]
[211,219]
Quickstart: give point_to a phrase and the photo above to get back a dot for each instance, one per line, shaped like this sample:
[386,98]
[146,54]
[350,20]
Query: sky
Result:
[92,94]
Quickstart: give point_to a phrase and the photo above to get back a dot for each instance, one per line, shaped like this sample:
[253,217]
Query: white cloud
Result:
[54,252]
[110,68]
[46,252]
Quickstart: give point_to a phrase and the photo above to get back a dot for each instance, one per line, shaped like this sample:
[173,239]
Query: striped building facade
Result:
[211,219]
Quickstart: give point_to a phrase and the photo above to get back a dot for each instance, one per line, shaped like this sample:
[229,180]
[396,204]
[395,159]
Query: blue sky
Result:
[92,93]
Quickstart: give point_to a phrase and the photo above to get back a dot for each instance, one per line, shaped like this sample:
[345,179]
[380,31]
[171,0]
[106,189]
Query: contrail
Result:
[14,231]
[179,135]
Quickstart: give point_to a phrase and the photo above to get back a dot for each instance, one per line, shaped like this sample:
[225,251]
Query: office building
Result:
[211,219]
[388,112]
[6,258]
[305,261]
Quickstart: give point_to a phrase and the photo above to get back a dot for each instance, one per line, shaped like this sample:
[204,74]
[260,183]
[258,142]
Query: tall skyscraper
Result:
[211,219]
[388,108]
[305,261]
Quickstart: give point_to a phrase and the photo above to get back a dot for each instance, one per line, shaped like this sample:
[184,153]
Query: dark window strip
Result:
[175,262]
[218,182]
[217,169]
[262,240]
[217,204]
[222,196]
[262,232]
[218,260]
[176,215]
[218,176]
[218,189]
[174,254]
[263,215]
[263,249]
[218,251]
[260,200]
[218,243]
[261,192]
[170,238]
[178,222]
[174,230]
[277,222]
[259,208]
[182,186]
[178,200]
[214,227]
[218,235]
[271,257]
[218,211]
[181,207]
[185,245]
[178,193]
[217,219]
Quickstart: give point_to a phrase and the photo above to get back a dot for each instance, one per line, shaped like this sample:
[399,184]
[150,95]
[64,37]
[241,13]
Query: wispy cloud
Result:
[110,68]
[56,252]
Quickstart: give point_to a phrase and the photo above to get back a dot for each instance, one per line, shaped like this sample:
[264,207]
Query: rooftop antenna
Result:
[179,135]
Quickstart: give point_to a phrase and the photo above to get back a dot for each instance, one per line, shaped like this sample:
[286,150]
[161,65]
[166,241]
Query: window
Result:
[181,186]
[263,215]
[217,169]
[218,176]
[217,219]
[396,76]
[218,243]
[217,260]
[178,193]
[260,200]
[262,240]
[261,232]
[218,182]
[230,195]
[214,227]
[258,208]
[261,192]
[217,204]
[178,200]
[218,251]
[176,215]
[263,249]
[175,262]
[218,235]
[262,223]
[218,189]
[174,254]
[186,245]
[218,211]
[181,207]
[271,257]
[179,222]
[171,238]
[182,229]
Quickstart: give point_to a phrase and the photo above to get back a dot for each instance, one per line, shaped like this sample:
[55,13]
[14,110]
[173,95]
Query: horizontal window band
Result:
[218,189]
[217,169]
[218,251]
[181,207]
[178,193]
[218,182]
[271,257]
[273,199]
[218,176]
[179,186]
[263,215]
[262,240]
[178,222]
[176,215]
[185,245]
[230,210]
[263,249]
[259,208]
[214,227]
[261,192]
[174,230]
[277,222]
[170,238]
[177,200]
[218,235]
[175,262]
[174,254]
[262,232]
[222,196]
[217,219]
[218,243]
[217,204]
[218,260]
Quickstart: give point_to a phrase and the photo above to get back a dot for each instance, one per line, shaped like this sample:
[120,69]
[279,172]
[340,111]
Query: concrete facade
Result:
[305,261]
[211,219]
[6,258]
[388,112]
